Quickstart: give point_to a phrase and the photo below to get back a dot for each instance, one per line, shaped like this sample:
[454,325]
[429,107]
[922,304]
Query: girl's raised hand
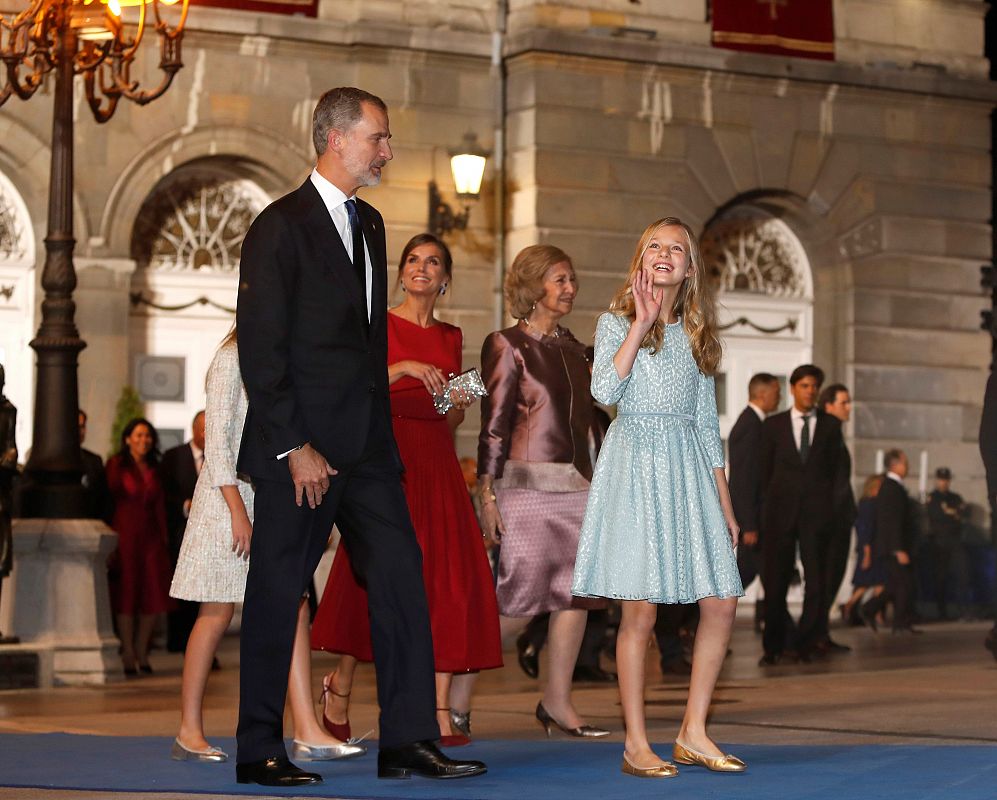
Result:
[647,299]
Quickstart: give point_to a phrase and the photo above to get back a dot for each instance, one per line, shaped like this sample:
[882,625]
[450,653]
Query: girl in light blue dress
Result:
[659,526]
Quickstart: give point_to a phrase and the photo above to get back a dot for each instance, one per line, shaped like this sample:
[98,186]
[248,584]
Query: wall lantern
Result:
[467,163]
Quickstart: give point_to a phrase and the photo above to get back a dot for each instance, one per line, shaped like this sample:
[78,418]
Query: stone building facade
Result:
[845,205]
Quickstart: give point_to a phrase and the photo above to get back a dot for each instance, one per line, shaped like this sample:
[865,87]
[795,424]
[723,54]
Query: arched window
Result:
[195,221]
[746,249]
[16,241]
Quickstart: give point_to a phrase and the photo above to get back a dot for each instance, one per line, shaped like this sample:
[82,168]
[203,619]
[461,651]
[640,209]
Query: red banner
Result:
[304,8]
[803,28]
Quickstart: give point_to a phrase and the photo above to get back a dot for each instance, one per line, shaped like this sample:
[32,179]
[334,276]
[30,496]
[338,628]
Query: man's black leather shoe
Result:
[423,759]
[585,673]
[529,657]
[276,771]
[831,646]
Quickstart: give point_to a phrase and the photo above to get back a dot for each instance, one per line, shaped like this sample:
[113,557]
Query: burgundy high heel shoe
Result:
[340,731]
[453,739]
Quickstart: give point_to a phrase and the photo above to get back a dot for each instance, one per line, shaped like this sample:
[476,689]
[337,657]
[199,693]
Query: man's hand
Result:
[902,557]
[310,473]
[749,538]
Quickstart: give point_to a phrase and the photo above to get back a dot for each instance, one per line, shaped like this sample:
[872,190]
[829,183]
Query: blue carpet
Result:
[523,770]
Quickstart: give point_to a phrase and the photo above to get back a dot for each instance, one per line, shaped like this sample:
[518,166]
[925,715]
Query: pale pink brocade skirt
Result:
[537,559]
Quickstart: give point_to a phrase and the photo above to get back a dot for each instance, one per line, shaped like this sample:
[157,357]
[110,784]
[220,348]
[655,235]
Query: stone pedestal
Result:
[58,601]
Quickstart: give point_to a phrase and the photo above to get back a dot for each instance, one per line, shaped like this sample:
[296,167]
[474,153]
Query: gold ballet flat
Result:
[724,763]
[666,770]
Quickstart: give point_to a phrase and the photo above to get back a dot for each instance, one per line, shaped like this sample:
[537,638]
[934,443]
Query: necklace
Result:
[533,327]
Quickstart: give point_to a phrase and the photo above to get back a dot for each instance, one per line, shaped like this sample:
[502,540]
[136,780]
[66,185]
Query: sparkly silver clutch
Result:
[468,382]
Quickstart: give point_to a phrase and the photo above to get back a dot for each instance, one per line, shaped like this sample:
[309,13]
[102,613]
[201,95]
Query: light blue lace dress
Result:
[653,528]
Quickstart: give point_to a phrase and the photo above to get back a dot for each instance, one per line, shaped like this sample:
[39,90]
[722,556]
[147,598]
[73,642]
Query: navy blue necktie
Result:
[359,262]
[805,439]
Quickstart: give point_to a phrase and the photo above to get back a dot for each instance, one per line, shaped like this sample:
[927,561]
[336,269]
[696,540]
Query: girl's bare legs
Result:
[564,639]
[636,627]
[716,617]
[340,683]
[126,631]
[443,681]
[146,623]
[299,687]
[212,621]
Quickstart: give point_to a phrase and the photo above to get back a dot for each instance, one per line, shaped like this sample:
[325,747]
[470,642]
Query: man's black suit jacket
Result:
[894,520]
[798,496]
[745,449]
[94,480]
[315,371]
[179,475]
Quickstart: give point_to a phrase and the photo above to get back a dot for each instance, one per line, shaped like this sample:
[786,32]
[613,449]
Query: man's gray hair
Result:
[340,109]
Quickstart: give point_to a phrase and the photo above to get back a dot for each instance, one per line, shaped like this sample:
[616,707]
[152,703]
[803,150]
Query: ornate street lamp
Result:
[69,38]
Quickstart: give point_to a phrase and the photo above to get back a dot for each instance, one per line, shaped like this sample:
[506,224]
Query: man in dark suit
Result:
[892,544]
[94,479]
[180,467]
[801,449]
[837,401]
[745,449]
[318,444]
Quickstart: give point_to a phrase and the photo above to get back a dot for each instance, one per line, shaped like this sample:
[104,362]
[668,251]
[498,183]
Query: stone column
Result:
[58,600]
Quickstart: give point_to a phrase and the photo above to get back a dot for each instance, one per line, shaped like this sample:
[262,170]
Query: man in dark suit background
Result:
[180,467]
[892,544]
[94,479]
[745,450]
[318,444]
[837,401]
[801,449]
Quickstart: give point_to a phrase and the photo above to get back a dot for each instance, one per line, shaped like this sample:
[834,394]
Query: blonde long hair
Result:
[694,302]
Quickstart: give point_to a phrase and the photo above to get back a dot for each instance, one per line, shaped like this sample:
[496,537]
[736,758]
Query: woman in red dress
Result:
[422,352]
[140,567]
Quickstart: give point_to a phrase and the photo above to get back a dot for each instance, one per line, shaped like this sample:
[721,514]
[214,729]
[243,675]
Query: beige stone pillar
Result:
[57,599]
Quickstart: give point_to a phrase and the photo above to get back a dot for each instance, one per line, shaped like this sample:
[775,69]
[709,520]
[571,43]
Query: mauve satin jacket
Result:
[538,407]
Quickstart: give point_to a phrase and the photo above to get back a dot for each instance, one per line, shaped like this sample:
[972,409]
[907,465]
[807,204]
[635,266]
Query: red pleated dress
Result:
[459,586]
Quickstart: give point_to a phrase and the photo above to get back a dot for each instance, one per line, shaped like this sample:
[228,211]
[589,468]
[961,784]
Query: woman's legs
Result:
[636,627]
[146,623]
[126,632]
[461,690]
[564,638]
[340,683]
[212,621]
[716,617]
[299,687]
[443,682]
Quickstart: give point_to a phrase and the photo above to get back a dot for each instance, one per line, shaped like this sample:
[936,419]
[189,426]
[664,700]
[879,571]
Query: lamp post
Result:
[69,38]
[467,164]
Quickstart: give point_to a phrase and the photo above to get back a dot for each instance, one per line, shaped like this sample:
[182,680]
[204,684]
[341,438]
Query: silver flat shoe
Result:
[332,752]
[462,722]
[213,754]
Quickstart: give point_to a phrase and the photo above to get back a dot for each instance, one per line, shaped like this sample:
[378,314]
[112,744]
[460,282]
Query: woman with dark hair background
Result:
[140,567]
[422,352]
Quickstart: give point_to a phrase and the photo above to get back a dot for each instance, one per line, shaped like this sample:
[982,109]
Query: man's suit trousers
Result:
[368,505]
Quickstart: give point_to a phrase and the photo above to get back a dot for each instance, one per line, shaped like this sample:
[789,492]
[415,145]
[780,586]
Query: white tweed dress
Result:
[207,569]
